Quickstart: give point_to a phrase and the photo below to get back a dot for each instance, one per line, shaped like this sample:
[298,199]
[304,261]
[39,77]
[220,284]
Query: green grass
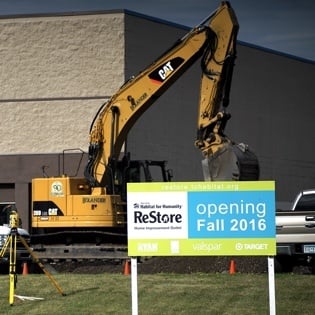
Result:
[166,294]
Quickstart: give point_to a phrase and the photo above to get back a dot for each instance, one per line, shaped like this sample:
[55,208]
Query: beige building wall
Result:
[54,77]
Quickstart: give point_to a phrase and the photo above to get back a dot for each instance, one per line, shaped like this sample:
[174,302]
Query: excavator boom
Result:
[213,40]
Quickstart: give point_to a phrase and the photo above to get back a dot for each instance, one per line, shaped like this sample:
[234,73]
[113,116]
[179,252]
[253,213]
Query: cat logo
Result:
[166,70]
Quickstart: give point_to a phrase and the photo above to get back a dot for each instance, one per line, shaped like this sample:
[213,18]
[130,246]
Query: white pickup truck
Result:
[296,233]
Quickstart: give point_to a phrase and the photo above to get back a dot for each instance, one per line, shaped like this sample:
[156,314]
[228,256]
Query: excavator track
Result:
[80,245]
[80,252]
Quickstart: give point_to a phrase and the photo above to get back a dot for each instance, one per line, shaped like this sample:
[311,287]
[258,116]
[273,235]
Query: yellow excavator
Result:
[97,201]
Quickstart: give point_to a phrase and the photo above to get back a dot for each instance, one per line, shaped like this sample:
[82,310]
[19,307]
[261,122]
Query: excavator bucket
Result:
[232,162]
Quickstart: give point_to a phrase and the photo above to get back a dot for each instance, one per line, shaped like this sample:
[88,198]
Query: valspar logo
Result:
[166,70]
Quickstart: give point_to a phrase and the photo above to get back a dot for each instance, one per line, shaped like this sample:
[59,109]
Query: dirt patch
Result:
[170,265]
[203,264]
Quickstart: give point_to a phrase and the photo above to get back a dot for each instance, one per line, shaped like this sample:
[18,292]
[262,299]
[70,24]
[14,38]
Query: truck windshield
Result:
[306,203]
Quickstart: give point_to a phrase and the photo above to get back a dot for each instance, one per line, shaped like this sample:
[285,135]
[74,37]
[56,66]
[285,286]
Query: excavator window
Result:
[139,171]
[156,173]
[135,174]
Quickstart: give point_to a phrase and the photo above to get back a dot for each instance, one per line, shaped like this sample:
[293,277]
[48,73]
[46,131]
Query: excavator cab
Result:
[137,171]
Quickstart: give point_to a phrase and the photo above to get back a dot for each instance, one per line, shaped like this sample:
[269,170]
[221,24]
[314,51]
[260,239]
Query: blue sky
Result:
[283,25]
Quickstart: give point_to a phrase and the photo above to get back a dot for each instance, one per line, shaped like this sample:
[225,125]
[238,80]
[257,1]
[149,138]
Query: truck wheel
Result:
[283,264]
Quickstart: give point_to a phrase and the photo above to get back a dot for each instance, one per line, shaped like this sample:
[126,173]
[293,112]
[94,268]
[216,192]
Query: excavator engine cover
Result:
[233,162]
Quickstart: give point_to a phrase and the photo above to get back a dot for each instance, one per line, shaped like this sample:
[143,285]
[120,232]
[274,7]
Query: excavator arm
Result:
[214,41]
[224,159]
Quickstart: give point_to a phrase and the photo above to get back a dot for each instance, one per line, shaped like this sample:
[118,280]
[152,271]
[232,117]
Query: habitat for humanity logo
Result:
[146,212]
[153,215]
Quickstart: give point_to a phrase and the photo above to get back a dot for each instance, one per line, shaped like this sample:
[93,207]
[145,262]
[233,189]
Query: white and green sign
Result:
[201,219]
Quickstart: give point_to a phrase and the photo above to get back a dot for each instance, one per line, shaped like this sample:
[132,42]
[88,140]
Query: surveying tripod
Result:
[12,241]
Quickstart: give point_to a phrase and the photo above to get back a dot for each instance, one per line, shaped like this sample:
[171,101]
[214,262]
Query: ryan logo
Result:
[166,70]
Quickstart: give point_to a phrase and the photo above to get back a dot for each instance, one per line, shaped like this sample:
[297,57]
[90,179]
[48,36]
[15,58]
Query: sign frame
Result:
[201,219]
[154,215]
